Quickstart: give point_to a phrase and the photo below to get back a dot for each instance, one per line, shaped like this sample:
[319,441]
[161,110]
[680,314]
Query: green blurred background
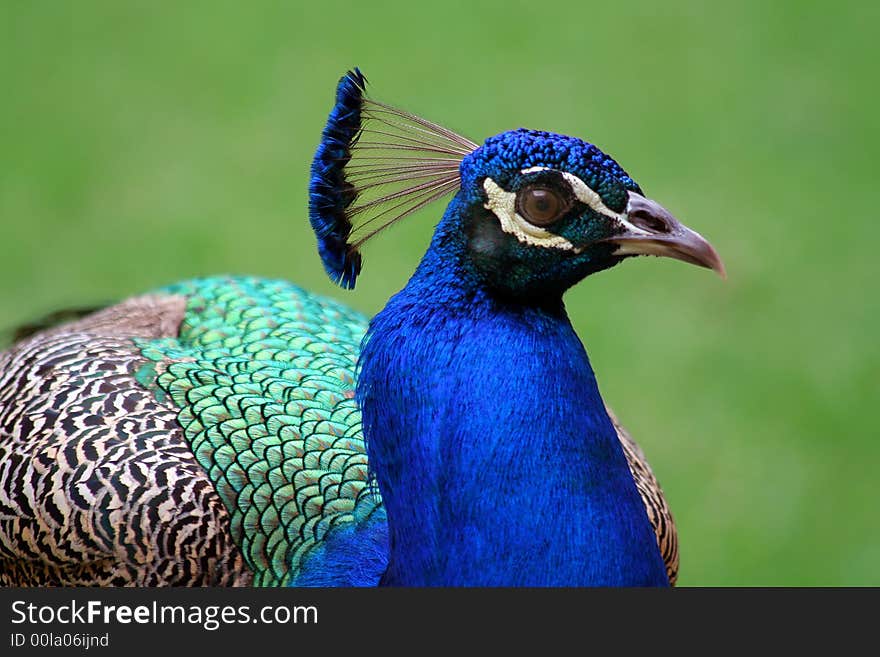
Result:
[147,142]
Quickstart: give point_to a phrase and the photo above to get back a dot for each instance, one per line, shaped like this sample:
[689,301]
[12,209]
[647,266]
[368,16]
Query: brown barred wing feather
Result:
[653,498]
[80,438]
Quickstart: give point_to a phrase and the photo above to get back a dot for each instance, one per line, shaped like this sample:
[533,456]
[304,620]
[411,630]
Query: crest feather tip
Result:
[374,166]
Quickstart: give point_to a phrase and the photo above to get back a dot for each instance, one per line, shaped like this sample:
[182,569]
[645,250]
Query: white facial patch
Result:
[503,204]
[585,194]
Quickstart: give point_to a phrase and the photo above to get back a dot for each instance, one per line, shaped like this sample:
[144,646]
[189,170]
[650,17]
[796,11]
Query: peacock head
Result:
[533,212]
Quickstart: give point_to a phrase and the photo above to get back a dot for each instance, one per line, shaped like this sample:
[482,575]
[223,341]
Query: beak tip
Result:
[666,237]
[715,264]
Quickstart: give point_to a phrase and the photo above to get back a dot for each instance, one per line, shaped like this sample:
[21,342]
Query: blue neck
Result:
[493,451]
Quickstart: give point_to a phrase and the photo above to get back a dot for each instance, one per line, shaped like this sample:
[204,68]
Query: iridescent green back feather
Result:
[263,374]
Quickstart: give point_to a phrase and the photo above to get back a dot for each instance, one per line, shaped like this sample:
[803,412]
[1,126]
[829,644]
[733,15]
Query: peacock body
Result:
[237,431]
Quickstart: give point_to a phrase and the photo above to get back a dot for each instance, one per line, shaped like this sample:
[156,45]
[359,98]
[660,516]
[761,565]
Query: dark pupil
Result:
[541,206]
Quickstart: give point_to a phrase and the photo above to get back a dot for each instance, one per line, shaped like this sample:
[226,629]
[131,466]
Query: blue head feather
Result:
[329,192]
[519,269]
[503,156]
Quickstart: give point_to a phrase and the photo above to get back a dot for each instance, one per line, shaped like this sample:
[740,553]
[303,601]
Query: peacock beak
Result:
[652,230]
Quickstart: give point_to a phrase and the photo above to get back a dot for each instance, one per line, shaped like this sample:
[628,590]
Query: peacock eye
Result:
[541,206]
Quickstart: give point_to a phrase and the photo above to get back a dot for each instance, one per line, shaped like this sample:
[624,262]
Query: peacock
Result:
[238,430]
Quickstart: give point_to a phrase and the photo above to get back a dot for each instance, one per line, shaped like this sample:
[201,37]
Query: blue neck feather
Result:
[496,459]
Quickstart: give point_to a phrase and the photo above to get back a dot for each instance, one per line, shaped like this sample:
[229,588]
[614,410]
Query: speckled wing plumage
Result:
[97,485]
[207,434]
[652,496]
